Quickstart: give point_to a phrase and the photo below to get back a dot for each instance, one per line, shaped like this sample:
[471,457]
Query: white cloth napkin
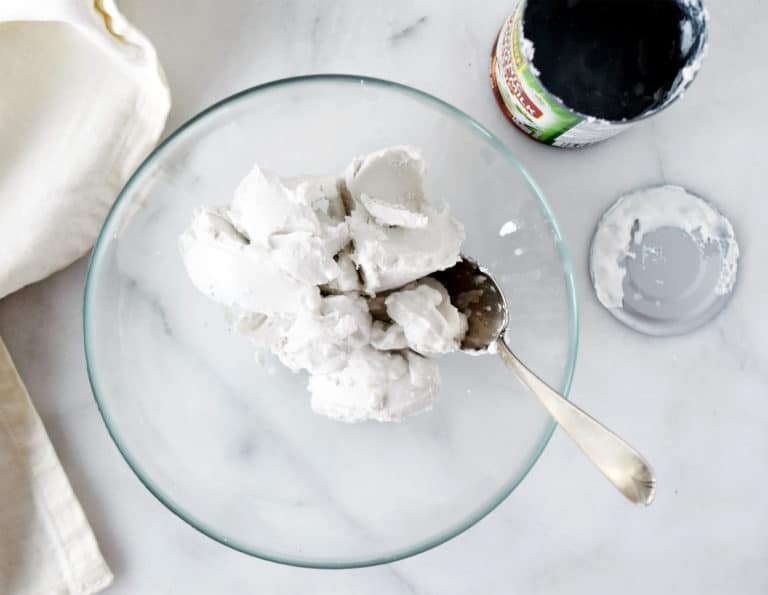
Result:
[46,545]
[83,99]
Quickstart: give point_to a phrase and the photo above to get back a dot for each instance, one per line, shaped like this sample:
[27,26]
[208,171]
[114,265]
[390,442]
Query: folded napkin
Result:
[46,545]
[83,99]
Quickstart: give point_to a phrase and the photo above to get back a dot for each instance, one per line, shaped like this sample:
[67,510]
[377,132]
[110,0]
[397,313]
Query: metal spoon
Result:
[477,295]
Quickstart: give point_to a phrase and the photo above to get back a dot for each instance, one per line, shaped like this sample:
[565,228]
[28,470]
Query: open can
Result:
[541,113]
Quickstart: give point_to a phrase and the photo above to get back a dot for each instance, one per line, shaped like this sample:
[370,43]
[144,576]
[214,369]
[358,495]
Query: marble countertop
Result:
[696,404]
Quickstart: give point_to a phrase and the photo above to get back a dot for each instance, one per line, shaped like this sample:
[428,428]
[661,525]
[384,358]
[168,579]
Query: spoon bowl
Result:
[475,292]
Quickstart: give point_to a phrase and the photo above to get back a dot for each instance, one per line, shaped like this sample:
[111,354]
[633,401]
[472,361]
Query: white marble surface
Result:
[695,404]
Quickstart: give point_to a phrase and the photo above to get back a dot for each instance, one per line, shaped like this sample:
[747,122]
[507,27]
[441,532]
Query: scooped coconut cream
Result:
[398,235]
[297,262]
[430,324]
[229,269]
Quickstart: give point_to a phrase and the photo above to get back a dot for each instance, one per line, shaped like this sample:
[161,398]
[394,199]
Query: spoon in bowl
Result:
[475,293]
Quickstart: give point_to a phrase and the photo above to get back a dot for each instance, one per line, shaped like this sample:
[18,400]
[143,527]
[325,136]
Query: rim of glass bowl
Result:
[426,543]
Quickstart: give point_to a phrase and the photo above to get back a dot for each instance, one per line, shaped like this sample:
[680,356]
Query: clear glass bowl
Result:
[232,446]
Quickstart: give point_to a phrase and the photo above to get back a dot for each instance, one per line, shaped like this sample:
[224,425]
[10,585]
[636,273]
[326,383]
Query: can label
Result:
[528,104]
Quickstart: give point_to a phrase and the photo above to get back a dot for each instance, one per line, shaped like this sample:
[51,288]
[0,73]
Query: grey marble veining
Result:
[696,405]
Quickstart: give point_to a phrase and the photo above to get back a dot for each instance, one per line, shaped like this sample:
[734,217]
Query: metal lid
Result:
[663,261]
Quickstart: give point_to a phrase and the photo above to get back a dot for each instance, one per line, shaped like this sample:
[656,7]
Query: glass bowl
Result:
[230,445]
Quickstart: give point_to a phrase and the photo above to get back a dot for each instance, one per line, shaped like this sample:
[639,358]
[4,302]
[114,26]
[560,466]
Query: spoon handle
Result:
[617,460]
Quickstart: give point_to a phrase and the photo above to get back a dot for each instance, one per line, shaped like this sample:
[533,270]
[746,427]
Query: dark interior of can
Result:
[613,59]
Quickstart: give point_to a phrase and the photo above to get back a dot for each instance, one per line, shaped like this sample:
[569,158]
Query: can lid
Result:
[663,261]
